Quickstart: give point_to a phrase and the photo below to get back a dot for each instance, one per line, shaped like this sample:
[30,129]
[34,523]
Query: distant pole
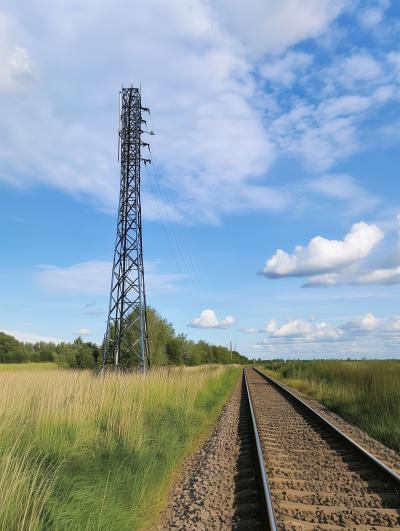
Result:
[127,310]
[231,348]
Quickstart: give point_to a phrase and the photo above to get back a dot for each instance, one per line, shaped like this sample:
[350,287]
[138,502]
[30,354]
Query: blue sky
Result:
[276,150]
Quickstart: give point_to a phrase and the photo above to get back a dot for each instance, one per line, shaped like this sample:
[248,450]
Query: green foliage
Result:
[11,350]
[366,393]
[166,348]
[85,358]
[174,347]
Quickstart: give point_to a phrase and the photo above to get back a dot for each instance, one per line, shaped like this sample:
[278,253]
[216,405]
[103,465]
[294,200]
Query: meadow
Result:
[366,393]
[48,366]
[84,454]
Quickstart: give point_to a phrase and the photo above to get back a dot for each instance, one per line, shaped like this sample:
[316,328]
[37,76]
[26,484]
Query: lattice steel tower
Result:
[126,340]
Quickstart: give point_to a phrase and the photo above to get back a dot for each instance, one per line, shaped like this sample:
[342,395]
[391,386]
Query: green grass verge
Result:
[365,393]
[4,367]
[114,446]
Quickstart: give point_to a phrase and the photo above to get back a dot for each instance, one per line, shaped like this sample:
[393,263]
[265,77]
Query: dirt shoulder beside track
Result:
[218,489]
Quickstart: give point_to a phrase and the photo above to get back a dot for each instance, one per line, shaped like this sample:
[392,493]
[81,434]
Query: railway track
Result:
[314,476]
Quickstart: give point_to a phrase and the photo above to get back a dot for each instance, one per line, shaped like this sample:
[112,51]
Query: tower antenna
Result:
[126,340]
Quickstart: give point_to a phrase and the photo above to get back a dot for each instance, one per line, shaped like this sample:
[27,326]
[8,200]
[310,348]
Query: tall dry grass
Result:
[117,442]
[6,367]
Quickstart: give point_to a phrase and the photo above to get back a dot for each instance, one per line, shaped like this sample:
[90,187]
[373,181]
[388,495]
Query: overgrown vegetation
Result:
[97,454]
[366,393]
[166,348]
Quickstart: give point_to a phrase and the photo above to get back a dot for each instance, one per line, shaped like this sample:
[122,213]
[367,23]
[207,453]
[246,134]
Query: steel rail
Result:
[393,478]
[267,494]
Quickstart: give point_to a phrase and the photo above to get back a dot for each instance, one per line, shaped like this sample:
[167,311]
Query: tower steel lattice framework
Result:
[127,317]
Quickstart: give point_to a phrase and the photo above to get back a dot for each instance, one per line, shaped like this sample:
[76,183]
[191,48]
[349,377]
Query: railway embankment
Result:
[316,479]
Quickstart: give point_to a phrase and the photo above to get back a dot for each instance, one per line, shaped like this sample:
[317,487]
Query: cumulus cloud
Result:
[312,318]
[391,326]
[360,334]
[82,332]
[305,330]
[322,256]
[365,323]
[208,319]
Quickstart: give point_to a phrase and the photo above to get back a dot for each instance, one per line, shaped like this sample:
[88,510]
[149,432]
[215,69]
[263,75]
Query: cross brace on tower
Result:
[126,342]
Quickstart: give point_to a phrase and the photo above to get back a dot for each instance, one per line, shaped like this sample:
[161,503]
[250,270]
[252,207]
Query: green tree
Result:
[85,359]
[174,351]
[12,350]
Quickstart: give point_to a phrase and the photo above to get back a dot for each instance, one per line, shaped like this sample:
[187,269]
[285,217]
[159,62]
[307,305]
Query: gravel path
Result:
[316,481]
[218,490]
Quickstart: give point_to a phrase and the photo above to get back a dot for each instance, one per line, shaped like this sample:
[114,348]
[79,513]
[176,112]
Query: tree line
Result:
[166,348]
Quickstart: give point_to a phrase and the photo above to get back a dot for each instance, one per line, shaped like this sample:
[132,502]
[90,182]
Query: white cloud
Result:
[270,326]
[284,70]
[289,318]
[329,279]
[362,334]
[28,337]
[82,332]
[298,328]
[344,188]
[391,326]
[380,276]
[312,318]
[394,61]
[266,26]
[360,67]
[18,71]
[94,278]
[323,256]
[366,323]
[208,319]
[208,97]
[370,17]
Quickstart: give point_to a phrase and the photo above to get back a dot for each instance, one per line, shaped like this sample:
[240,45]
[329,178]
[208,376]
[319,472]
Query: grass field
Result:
[4,367]
[366,393]
[81,454]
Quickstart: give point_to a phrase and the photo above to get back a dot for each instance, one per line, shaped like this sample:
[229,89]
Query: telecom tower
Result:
[126,339]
